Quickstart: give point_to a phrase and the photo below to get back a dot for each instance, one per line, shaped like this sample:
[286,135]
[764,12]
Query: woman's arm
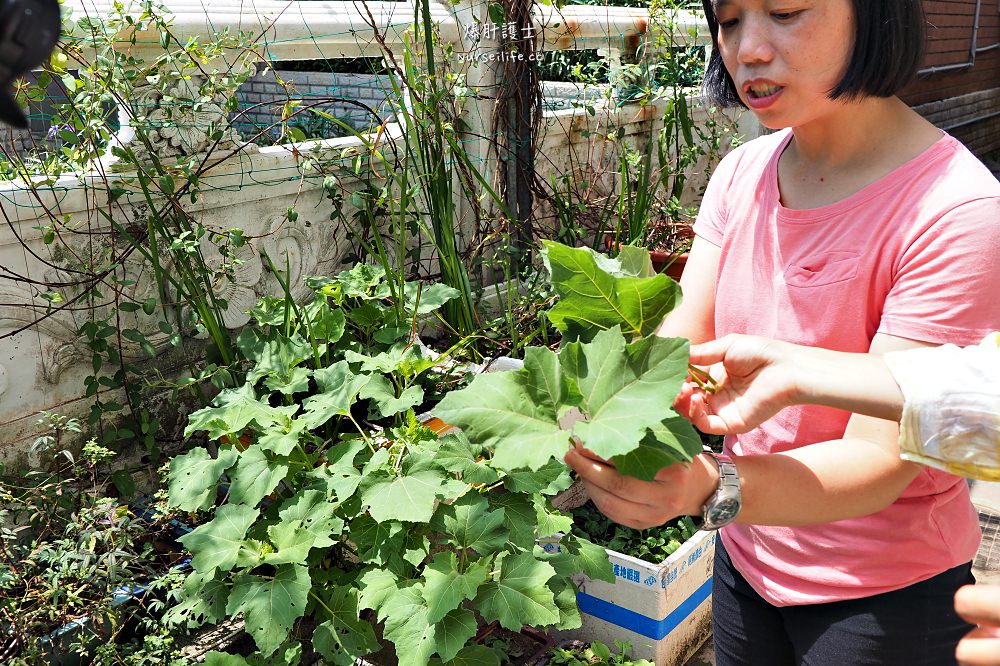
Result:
[694,318]
[854,476]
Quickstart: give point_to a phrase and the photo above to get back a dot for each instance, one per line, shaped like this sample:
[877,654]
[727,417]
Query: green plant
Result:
[652,545]
[66,551]
[132,274]
[595,653]
[343,508]
[611,369]
[639,189]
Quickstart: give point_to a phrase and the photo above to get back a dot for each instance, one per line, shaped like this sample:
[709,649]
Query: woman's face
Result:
[785,56]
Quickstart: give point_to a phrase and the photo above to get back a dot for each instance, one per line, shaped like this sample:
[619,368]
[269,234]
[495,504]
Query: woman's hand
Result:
[677,490]
[980,605]
[755,378]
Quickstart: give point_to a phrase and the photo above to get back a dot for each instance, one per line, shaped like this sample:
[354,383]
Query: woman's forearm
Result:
[859,383]
[821,483]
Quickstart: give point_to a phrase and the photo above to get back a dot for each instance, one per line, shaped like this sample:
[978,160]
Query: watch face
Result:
[723,511]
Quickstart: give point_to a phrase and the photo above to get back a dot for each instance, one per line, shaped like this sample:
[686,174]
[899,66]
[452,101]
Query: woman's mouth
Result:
[762,94]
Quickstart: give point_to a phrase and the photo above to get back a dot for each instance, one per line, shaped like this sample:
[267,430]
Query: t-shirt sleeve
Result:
[946,286]
[711,221]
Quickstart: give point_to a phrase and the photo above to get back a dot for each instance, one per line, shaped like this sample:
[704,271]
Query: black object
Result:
[29,30]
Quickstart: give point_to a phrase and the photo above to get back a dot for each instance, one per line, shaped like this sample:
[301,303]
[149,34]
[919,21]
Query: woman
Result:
[858,227]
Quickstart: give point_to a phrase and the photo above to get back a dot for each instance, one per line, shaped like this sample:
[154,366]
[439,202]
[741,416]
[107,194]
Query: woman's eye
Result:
[784,16]
[728,24]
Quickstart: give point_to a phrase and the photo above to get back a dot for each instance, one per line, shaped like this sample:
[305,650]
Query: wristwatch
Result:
[724,504]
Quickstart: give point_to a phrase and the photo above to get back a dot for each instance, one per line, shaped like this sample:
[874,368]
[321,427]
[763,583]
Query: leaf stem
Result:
[704,380]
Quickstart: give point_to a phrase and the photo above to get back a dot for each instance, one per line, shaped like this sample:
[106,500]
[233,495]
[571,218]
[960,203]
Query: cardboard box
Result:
[664,610]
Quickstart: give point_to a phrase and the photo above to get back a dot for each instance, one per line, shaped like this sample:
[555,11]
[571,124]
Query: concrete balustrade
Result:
[44,359]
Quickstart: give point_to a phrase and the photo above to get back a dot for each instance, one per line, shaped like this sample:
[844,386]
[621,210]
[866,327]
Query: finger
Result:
[684,396]
[979,648]
[594,470]
[706,421]
[682,403]
[709,352]
[621,510]
[979,604]
[590,455]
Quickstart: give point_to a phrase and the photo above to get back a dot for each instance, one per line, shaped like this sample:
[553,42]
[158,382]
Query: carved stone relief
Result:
[180,122]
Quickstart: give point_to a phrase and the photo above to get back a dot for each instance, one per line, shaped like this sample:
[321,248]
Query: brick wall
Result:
[956,94]
[261,100]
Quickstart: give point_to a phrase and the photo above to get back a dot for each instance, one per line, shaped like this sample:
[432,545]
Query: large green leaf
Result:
[513,413]
[569,611]
[339,473]
[591,559]
[339,387]
[631,261]
[325,323]
[194,477]
[625,389]
[360,280]
[454,631]
[380,544]
[406,625]
[409,498]
[296,381]
[551,478]
[282,439]
[469,523]
[291,541]
[255,476]
[344,638]
[233,411]
[202,600]
[216,544]
[381,391]
[596,294]
[446,587]
[550,521]
[272,355]
[674,440]
[456,454]
[471,655]
[622,389]
[224,659]
[519,518]
[431,296]
[520,596]
[316,514]
[376,586]
[270,606]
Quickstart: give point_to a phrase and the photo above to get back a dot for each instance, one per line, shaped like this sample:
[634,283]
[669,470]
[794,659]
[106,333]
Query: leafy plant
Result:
[66,550]
[595,653]
[130,273]
[652,545]
[339,509]
[611,369]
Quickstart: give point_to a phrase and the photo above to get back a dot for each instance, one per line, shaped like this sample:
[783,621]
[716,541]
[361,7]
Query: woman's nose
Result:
[755,44]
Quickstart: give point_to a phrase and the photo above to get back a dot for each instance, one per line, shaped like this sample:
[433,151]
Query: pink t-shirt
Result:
[916,255]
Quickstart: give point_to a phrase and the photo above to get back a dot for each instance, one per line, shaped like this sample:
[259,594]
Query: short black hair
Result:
[889,44]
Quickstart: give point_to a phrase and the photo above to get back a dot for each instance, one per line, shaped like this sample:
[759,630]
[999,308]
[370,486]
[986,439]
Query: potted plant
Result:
[610,386]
